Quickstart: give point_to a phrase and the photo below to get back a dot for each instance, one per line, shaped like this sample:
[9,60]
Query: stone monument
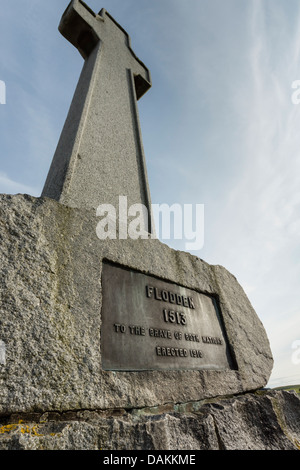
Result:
[120,343]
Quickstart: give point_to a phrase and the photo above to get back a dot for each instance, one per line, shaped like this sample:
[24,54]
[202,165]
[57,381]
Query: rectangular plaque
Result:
[152,324]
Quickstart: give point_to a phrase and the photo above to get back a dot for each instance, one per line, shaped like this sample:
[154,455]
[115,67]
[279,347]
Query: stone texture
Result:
[50,285]
[257,421]
[100,152]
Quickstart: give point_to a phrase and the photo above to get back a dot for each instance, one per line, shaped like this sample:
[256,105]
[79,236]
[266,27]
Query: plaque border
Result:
[229,351]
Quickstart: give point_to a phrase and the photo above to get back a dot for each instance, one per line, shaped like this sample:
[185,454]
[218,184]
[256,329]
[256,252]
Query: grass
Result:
[289,387]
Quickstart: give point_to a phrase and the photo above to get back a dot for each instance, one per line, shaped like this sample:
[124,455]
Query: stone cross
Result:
[100,153]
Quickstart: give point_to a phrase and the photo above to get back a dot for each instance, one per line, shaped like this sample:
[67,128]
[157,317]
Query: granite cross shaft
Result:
[100,155]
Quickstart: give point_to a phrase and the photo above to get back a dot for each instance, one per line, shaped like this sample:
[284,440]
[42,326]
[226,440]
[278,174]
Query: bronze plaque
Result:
[151,324]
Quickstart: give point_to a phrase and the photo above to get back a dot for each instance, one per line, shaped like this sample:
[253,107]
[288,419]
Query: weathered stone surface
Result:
[257,421]
[51,262]
[100,154]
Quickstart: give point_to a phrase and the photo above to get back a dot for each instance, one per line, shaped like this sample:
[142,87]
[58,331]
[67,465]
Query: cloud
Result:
[9,186]
[261,216]
[245,163]
[284,335]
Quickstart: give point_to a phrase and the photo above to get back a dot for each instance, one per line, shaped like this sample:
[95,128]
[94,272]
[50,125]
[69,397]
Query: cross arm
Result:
[142,76]
[78,25]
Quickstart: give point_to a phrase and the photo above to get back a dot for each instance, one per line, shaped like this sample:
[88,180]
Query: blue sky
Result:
[219,128]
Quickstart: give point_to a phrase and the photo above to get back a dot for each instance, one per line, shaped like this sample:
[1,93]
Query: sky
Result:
[220,128]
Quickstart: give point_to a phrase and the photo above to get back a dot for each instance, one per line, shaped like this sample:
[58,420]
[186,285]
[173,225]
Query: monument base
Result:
[265,420]
[65,325]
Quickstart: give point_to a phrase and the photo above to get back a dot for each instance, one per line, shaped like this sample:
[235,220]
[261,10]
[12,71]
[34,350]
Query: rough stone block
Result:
[257,421]
[51,303]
